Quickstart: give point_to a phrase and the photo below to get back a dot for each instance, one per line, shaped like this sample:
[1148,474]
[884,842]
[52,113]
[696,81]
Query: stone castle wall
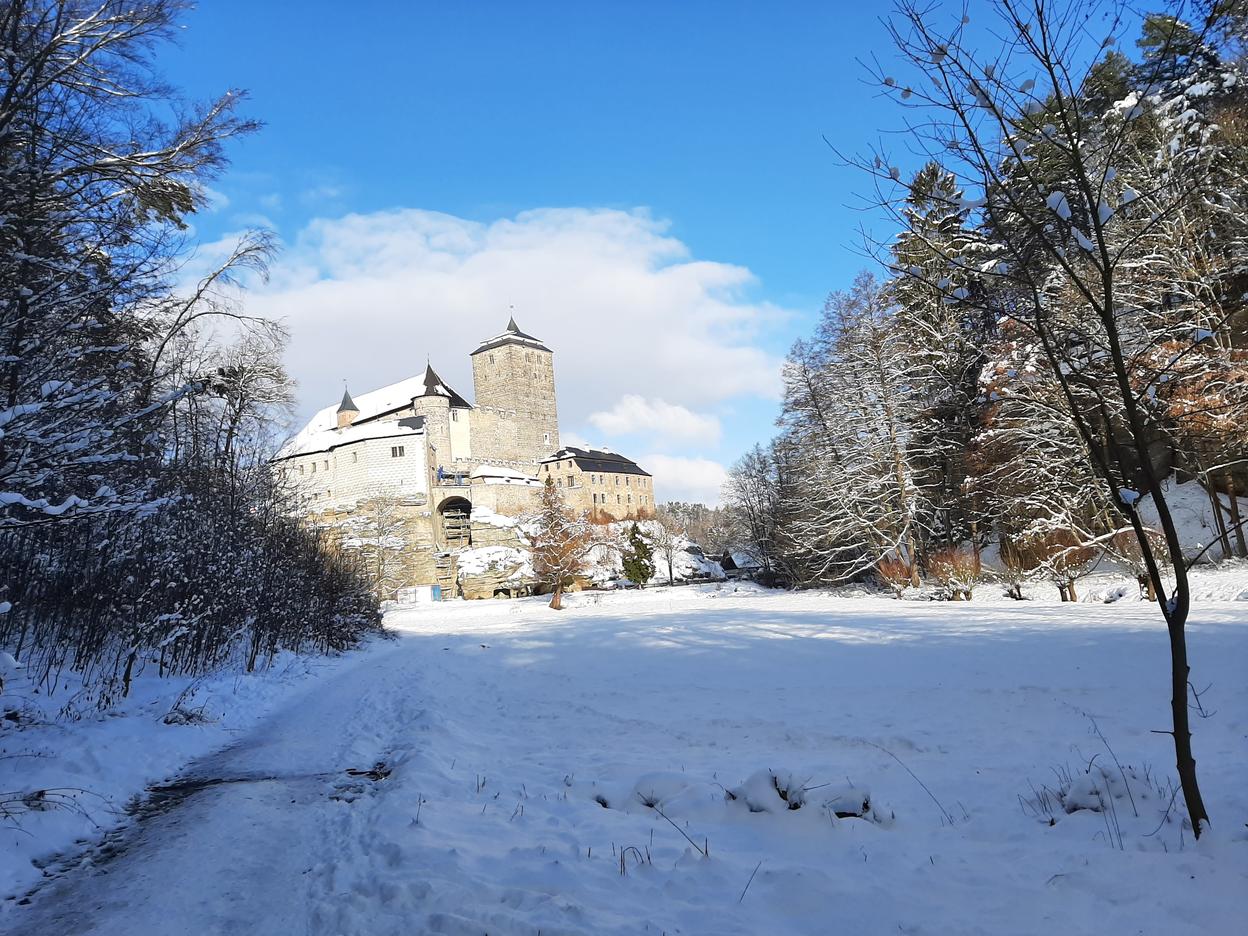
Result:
[340,478]
[516,420]
[613,495]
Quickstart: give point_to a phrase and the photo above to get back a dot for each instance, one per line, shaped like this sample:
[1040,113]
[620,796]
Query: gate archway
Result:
[455,515]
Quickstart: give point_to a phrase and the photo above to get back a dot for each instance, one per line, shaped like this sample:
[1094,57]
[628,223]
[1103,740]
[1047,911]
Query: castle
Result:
[452,470]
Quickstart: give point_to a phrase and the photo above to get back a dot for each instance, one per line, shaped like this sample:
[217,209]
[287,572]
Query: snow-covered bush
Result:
[957,570]
[779,791]
[895,573]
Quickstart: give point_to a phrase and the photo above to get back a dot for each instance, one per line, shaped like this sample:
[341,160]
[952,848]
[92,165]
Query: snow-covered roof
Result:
[513,335]
[499,471]
[374,403]
[310,441]
[497,474]
[436,386]
[322,432]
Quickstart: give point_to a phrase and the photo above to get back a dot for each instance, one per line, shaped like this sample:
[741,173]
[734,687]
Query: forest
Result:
[139,524]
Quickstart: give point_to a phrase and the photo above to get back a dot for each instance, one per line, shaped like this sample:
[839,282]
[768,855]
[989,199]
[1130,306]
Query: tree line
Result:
[1059,330]
[139,525]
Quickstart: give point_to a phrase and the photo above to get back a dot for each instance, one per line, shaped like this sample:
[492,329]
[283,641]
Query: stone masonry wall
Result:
[618,496]
[516,422]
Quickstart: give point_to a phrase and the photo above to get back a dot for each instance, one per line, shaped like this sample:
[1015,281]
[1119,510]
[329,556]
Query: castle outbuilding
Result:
[454,471]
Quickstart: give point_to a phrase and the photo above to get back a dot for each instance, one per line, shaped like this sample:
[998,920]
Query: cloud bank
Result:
[648,340]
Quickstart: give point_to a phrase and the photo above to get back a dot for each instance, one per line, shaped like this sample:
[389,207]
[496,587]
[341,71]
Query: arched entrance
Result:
[456,521]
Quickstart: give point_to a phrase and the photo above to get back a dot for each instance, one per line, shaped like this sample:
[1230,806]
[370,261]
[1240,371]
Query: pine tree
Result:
[638,557]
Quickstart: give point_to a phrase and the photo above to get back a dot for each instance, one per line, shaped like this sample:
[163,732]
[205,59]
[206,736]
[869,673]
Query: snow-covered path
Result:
[253,853]
[524,745]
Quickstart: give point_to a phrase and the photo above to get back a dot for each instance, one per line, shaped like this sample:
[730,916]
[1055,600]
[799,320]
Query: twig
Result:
[750,881]
[701,851]
[944,812]
[1166,814]
[1123,773]
[1200,708]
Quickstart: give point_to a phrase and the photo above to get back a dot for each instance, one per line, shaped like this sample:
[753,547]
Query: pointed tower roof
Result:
[513,335]
[347,405]
[435,386]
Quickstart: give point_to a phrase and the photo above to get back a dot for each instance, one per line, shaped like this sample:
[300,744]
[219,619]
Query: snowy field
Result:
[561,773]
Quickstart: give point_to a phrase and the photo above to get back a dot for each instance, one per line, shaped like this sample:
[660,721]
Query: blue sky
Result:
[677,134]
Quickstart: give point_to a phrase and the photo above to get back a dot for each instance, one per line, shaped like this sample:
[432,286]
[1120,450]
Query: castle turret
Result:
[347,410]
[437,406]
[514,373]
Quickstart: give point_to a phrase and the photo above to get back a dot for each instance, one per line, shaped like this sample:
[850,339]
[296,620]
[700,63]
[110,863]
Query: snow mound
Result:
[780,791]
[496,559]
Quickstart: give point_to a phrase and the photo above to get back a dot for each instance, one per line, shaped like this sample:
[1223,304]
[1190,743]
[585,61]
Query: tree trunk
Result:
[1219,525]
[1070,587]
[128,675]
[556,598]
[1236,524]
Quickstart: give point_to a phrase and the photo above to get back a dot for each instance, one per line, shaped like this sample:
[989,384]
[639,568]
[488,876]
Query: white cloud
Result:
[685,479]
[634,414]
[625,307]
[215,200]
[325,191]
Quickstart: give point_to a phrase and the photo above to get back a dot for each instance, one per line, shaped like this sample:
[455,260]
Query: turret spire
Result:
[347,410]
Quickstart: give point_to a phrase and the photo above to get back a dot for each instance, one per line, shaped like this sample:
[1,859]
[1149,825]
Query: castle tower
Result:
[435,406]
[514,374]
[347,410]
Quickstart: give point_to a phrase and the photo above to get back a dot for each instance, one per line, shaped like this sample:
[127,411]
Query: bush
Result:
[207,581]
[1018,562]
[956,569]
[895,573]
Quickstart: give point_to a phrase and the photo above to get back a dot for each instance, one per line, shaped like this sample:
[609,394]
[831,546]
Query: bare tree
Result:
[667,533]
[561,542]
[379,532]
[94,190]
[751,499]
[1075,161]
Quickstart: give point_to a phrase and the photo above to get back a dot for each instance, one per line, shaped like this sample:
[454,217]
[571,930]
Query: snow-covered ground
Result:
[564,773]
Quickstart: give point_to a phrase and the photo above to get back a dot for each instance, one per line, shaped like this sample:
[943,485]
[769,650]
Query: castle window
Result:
[546,439]
[617,480]
[327,464]
[301,469]
[355,457]
[630,498]
[628,482]
[617,499]
[559,481]
[314,467]
[397,451]
[454,415]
